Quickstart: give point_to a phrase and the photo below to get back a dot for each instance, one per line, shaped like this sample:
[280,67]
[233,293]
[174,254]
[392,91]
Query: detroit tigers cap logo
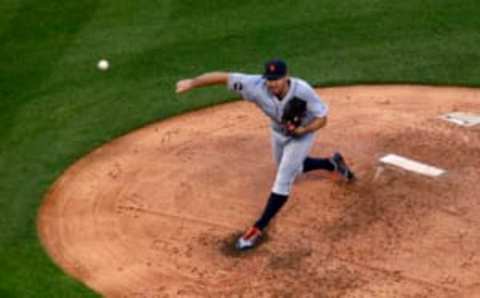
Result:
[275,69]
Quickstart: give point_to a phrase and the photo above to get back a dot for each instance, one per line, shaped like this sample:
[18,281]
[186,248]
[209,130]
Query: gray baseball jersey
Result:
[253,88]
[289,152]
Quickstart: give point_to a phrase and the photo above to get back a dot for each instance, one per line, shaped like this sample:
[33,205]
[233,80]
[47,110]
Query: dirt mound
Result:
[155,213]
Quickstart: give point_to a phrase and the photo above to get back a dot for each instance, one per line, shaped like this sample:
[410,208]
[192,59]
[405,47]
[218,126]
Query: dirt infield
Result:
[154,213]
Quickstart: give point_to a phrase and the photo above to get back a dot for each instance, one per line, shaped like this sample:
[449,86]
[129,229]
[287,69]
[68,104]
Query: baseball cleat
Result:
[341,167]
[249,239]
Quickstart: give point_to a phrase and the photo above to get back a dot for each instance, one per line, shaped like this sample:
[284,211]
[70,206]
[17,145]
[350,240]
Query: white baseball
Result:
[103,64]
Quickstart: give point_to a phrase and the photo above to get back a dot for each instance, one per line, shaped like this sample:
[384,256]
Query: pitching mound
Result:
[155,213]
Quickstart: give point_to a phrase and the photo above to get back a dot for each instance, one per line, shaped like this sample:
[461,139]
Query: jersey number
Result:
[237,86]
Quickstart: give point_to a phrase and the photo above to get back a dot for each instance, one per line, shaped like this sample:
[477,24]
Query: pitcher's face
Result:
[278,87]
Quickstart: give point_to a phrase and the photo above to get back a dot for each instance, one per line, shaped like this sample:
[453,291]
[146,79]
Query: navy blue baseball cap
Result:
[275,69]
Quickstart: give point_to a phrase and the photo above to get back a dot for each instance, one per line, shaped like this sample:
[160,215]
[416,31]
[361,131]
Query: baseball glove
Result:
[293,114]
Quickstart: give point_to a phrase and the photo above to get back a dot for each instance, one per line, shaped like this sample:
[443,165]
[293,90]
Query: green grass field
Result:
[55,106]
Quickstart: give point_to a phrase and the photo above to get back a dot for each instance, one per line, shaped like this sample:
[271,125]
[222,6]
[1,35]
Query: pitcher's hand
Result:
[184,85]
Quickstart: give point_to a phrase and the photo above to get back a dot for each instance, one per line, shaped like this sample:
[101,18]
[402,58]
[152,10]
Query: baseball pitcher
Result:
[296,113]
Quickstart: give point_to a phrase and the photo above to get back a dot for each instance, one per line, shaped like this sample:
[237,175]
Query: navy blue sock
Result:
[274,204]
[311,164]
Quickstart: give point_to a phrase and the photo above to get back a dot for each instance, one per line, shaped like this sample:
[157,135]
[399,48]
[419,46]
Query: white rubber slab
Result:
[463,119]
[411,165]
